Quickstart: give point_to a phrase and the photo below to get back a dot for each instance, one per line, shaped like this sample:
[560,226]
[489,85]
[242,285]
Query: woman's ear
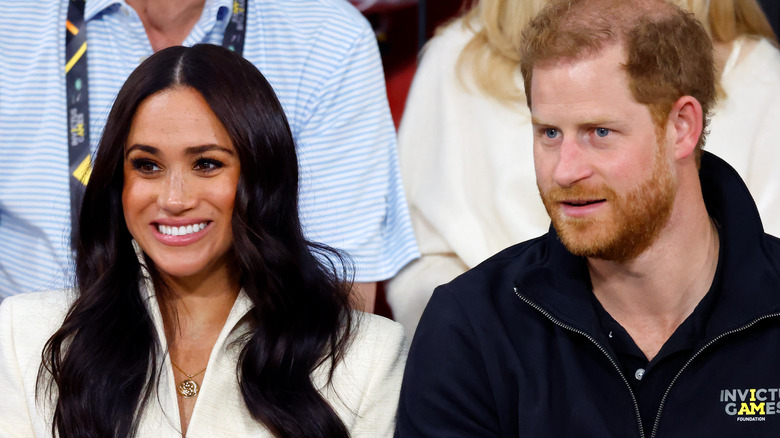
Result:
[686,120]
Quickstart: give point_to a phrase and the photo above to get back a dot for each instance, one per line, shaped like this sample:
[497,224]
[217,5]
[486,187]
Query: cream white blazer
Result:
[364,392]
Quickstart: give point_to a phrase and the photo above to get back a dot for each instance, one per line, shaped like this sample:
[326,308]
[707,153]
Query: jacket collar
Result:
[747,276]
[94,7]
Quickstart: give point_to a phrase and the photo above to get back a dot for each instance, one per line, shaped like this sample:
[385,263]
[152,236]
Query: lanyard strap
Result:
[236,28]
[77,88]
[78,108]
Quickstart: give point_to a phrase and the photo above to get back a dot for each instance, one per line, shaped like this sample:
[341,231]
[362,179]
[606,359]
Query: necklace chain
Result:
[185,373]
[188,388]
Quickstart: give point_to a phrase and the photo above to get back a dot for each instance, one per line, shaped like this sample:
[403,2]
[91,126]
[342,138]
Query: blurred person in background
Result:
[465,140]
[465,149]
[747,60]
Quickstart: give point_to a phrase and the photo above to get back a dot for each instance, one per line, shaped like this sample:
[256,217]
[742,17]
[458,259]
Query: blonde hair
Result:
[727,20]
[492,56]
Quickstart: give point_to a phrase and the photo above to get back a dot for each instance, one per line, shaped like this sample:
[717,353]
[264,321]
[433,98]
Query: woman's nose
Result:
[176,195]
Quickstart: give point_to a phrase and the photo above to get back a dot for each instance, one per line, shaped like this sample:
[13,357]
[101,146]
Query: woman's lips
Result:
[180,234]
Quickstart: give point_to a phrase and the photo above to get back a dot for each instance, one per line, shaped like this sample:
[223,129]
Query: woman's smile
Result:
[180,235]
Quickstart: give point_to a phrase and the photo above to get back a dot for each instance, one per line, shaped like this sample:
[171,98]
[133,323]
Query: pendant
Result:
[188,388]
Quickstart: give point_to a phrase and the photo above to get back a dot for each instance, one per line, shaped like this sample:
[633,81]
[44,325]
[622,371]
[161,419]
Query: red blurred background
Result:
[401,28]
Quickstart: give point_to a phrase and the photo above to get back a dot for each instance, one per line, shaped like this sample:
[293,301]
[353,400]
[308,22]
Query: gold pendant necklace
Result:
[188,388]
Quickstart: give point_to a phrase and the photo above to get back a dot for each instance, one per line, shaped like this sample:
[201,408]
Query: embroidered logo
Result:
[76,127]
[753,404]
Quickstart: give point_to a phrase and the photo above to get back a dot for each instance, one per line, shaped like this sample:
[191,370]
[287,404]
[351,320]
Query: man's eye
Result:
[551,132]
[602,132]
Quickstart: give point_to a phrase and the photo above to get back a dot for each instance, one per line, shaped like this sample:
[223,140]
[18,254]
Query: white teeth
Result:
[180,231]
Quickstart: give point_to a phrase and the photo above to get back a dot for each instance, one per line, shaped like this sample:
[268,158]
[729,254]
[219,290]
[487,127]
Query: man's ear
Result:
[685,119]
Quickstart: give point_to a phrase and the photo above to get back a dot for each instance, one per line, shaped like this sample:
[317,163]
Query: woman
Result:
[744,127]
[465,140]
[200,309]
[465,145]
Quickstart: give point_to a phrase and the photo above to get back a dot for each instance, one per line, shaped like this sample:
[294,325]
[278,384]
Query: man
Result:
[650,308]
[772,10]
[321,58]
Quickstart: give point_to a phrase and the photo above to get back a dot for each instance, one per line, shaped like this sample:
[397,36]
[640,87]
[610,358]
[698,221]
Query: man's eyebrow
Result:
[538,122]
[598,122]
[590,123]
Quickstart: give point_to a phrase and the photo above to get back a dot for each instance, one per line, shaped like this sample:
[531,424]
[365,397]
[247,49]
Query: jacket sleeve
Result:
[379,402]
[445,391]
[15,419]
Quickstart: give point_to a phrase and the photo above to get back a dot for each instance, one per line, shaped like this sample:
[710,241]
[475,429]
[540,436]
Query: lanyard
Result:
[77,97]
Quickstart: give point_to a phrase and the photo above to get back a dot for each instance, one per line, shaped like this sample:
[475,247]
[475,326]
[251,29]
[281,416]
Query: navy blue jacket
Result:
[514,347]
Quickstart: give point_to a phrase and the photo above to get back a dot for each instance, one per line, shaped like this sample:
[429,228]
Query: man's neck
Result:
[651,295]
[167,23]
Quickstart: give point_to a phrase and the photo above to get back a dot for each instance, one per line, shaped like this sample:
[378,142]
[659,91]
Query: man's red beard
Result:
[633,222]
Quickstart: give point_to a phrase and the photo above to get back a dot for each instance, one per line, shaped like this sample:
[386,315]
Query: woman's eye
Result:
[207,164]
[551,132]
[602,132]
[144,165]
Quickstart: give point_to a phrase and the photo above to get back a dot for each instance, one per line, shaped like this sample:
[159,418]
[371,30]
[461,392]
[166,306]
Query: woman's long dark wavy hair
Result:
[105,360]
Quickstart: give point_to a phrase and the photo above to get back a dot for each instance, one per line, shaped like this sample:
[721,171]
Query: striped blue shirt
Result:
[319,55]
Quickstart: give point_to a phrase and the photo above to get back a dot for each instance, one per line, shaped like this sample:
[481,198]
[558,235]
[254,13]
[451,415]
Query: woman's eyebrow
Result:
[145,148]
[192,150]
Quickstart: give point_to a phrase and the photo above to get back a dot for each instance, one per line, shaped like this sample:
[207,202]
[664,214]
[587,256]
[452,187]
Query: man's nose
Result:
[573,164]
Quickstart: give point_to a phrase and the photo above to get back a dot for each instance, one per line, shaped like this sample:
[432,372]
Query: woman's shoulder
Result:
[449,41]
[47,304]
[372,327]
[35,314]
[375,338]
[27,321]
[366,383]
[374,332]
[376,342]
[753,63]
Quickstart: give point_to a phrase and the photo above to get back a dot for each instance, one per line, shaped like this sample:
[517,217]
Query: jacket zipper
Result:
[721,336]
[601,348]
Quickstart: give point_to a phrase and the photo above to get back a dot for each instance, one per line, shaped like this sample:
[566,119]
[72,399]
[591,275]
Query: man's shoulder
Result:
[314,15]
[497,274]
[309,37]
[482,303]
